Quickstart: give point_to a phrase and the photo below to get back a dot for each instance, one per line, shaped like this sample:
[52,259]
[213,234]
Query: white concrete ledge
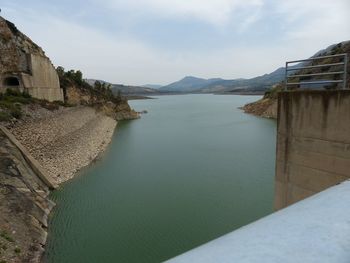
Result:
[316,229]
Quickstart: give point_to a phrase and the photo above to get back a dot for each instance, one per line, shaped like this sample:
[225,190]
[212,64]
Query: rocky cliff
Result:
[14,47]
[119,110]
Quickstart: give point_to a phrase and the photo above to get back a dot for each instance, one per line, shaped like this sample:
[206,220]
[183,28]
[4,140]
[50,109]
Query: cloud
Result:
[119,57]
[314,20]
[216,12]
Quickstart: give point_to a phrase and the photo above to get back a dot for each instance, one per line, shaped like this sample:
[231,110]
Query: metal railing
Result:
[342,74]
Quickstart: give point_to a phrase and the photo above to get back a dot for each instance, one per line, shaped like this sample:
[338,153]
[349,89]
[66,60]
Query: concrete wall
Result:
[313,143]
[41,81]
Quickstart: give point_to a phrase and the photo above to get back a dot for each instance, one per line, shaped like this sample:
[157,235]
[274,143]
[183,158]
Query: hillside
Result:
[217,85]
[152,86]
[126,90]
[188,84]
[267,106]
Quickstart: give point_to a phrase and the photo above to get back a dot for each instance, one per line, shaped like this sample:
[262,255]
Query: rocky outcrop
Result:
[14,47]
[119,110]
[24,207]
[265,107]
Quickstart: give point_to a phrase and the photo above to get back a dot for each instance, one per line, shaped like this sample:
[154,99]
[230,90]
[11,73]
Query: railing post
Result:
[345,79]
[285,77]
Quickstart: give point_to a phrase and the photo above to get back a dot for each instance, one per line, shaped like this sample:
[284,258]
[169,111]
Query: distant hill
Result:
[188,84]
[152,86]
[133,90]
[257,84]
[218,85]
[126,89]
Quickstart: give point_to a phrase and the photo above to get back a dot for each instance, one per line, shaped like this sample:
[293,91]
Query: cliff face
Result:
[14,47]
[24,66]
[24,207]
[118,110]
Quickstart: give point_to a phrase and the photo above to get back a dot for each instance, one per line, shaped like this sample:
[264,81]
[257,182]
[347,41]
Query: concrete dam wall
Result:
[313,143]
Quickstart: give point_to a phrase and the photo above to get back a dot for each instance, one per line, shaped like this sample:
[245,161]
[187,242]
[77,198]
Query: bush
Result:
[4,116]
[16,113]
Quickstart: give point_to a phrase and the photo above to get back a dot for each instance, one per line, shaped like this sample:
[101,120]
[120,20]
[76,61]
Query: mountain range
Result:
[191,84]
[218,85]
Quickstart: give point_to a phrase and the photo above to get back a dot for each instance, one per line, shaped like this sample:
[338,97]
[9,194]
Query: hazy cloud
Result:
[246,38]
[217,12]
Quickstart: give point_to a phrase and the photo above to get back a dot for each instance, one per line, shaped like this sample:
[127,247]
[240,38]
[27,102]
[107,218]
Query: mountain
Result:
[152,86]
[257,84]
[126,89]
[218,85]
[188,84]
[133,90]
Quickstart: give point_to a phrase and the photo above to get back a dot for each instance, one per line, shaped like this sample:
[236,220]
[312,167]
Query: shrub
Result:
[16,113]
[4,235]
[4,116]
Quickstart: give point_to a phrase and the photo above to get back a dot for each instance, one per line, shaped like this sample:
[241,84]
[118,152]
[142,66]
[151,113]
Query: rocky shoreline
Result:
[60,142]
[265,107]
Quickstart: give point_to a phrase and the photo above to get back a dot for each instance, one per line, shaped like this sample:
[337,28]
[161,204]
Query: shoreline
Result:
[62,142]
[66,140]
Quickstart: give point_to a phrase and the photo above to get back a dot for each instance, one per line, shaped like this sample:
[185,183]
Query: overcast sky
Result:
[160,41]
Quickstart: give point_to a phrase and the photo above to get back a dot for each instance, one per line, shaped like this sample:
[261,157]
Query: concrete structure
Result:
[315,230]
[313,143]
[24,66]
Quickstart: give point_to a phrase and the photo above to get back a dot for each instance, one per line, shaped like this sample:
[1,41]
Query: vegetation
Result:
[272,92]
[6,236]
[100,90]
[12,100]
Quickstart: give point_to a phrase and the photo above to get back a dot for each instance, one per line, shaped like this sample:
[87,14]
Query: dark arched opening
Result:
[11,82]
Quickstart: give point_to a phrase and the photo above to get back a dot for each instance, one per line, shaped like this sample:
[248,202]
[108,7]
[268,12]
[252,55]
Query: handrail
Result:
[343,80]
[314,58]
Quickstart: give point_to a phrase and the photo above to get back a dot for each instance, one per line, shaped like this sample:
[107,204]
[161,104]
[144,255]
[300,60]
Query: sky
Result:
[139,42]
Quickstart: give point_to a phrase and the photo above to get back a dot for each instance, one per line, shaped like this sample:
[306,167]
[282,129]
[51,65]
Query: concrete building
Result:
[24,65]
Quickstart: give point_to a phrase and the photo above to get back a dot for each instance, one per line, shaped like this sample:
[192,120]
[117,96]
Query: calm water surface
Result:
[192,169]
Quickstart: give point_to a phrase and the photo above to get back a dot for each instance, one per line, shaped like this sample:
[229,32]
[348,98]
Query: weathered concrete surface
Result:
[24,207]
[313,143]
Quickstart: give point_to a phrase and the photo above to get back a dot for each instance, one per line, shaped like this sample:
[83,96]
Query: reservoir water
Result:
[192,169]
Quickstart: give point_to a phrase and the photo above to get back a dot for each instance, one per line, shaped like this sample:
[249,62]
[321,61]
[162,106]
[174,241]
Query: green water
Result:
[192,169]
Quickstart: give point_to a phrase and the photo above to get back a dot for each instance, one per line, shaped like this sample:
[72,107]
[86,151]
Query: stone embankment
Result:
[24,206]
[38,152]
[65,140]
